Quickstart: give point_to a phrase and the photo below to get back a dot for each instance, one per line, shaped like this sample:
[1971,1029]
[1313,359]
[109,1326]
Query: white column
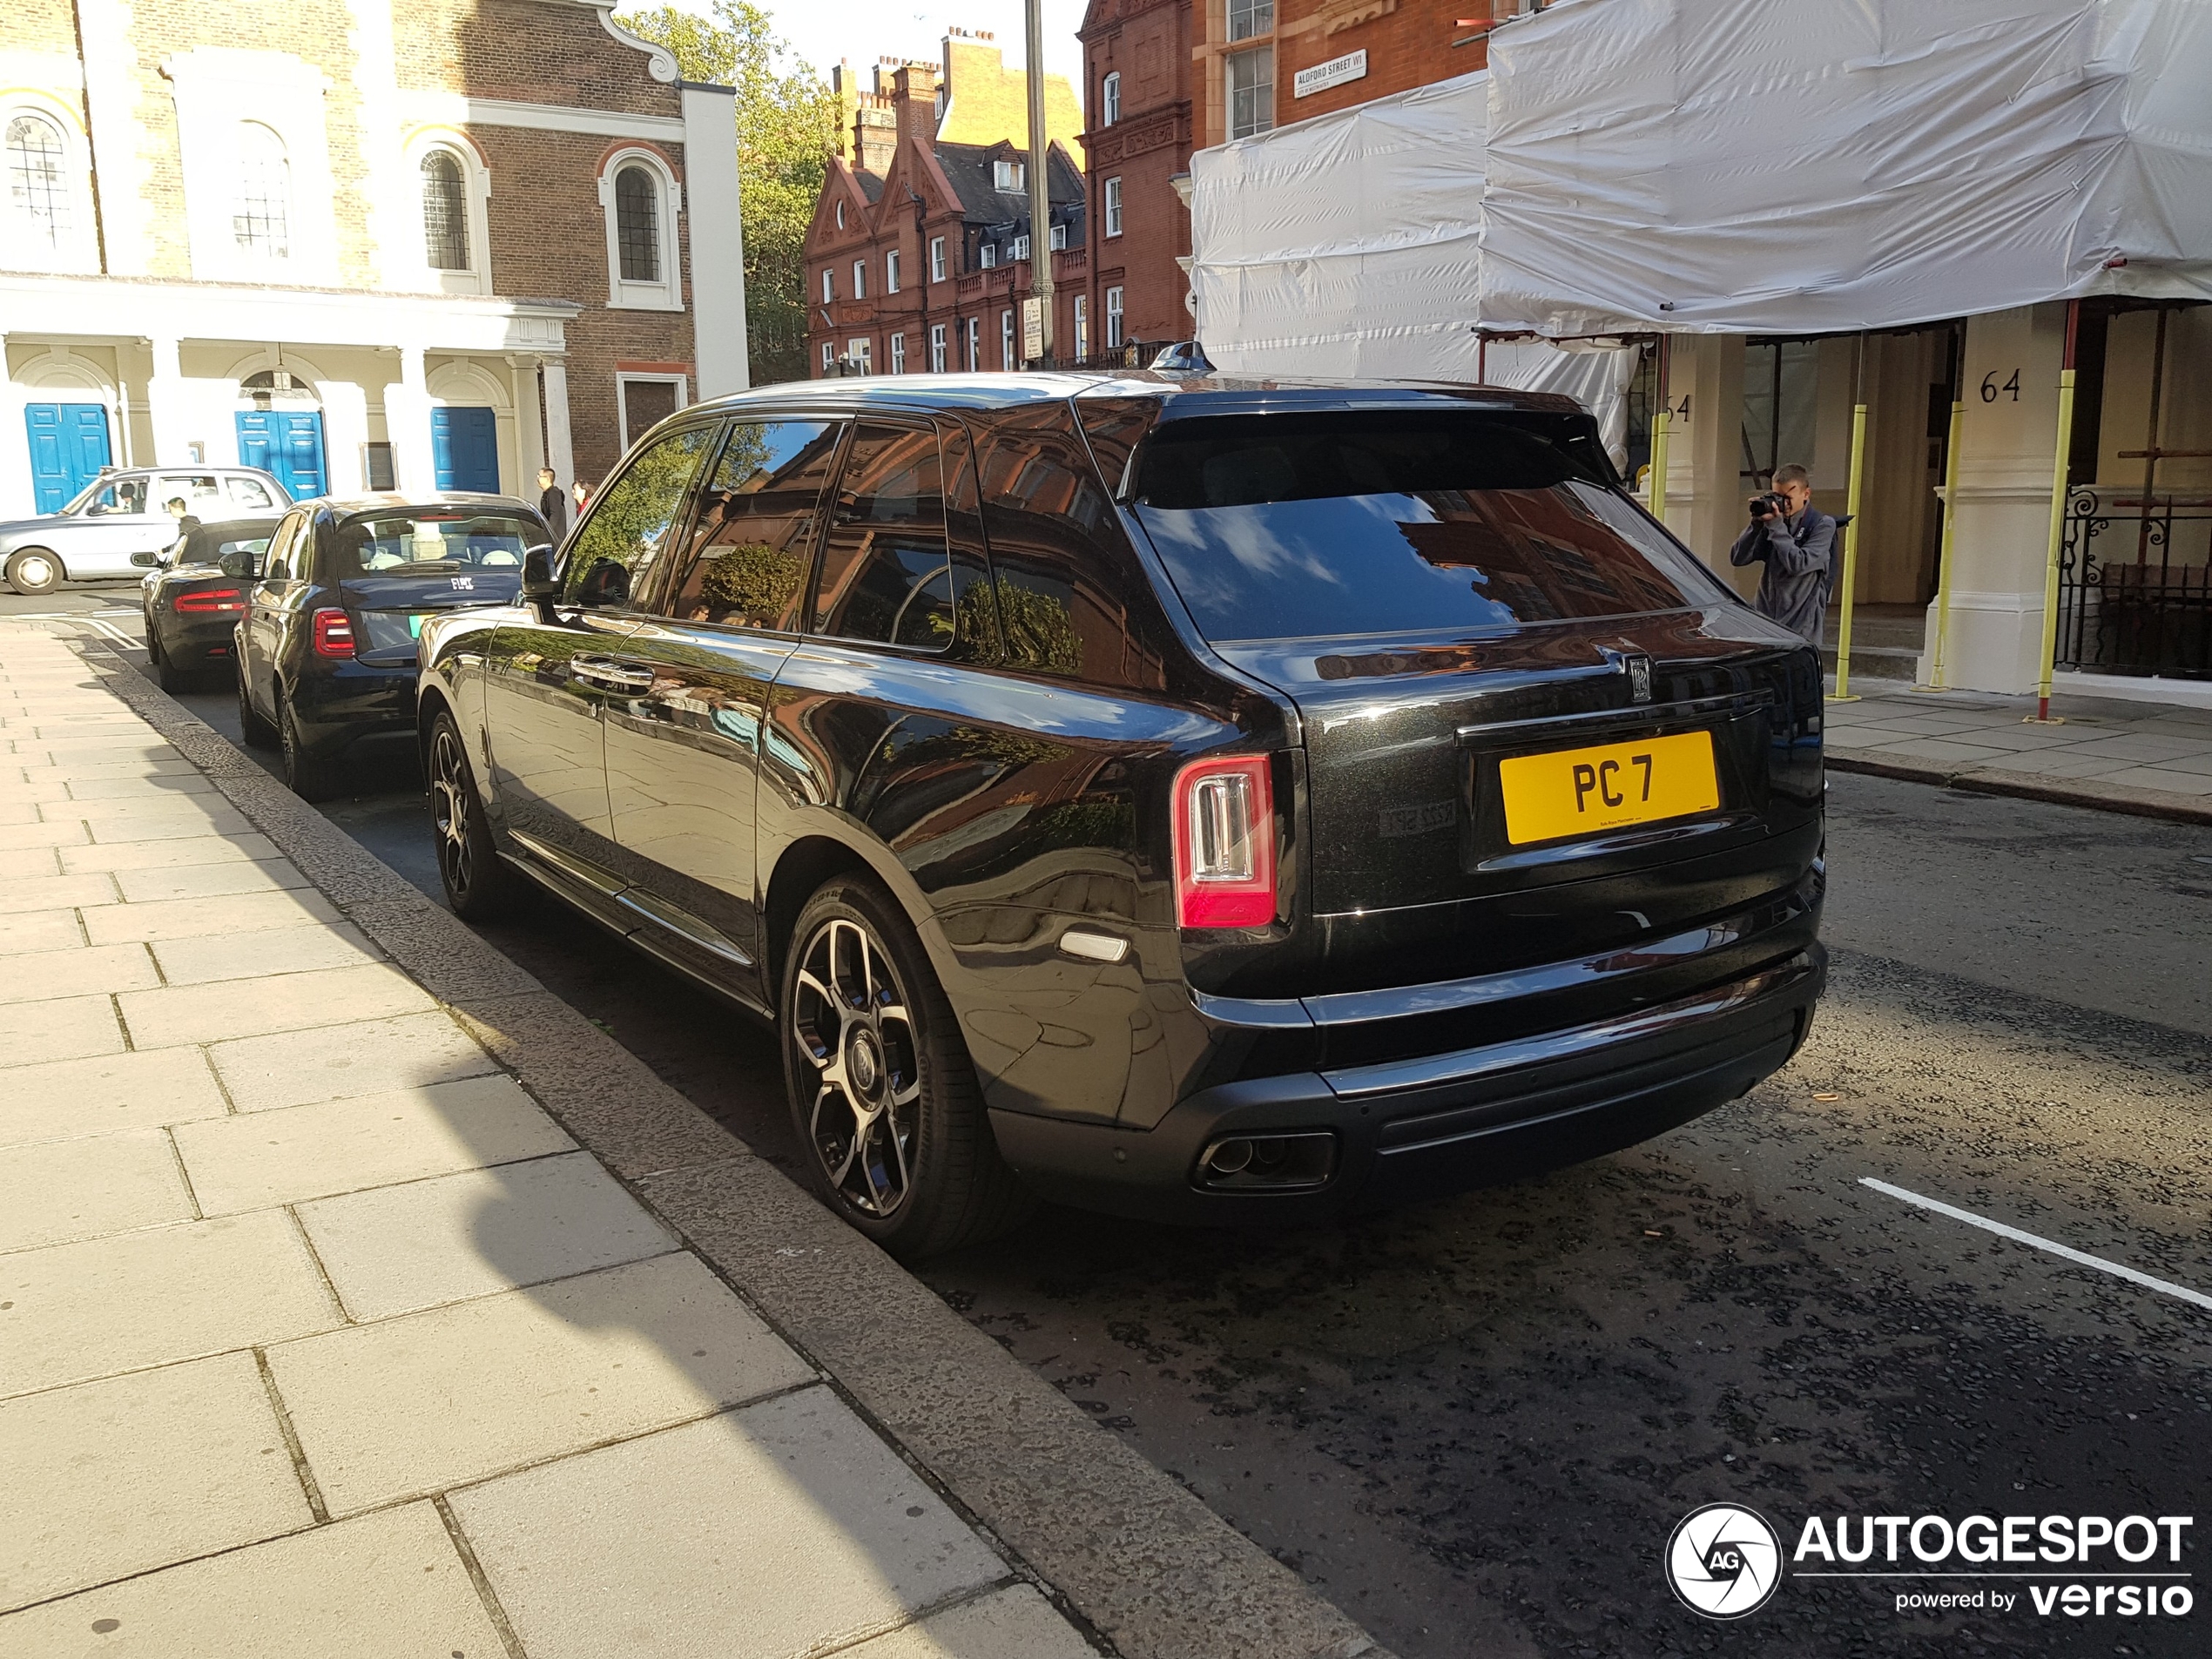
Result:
[717,244]
[529,446]
[169,407]
[18,498]
[2006,447]
[1704,446]
[406,423]
[559,454]
[345,420]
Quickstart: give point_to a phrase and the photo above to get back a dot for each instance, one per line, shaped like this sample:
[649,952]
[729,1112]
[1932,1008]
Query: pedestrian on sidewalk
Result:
[1796,542]
[552,503]
[582,496]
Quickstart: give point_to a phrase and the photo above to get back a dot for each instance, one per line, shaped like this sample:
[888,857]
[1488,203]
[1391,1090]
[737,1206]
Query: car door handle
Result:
[610,674]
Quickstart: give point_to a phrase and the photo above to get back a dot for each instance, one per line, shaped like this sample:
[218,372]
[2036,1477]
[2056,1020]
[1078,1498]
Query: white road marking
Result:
[94,619]
[2165,1287]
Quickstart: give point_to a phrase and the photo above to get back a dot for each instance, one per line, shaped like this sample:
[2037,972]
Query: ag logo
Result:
[1723,1560]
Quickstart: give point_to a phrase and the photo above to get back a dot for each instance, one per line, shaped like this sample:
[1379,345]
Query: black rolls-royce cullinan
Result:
[1192,798]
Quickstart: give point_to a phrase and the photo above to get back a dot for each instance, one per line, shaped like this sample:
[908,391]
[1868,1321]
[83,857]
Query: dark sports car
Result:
[195,593]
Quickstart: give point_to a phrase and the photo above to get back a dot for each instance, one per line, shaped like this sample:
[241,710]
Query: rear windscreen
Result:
[399,543]
[1294,526]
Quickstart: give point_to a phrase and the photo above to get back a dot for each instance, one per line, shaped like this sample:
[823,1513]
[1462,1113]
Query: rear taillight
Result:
[334,634]
[1224,844]
[209,600]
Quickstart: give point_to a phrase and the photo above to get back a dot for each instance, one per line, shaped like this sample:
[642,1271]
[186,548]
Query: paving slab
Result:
[415,1405]
[1016,1623]
[171,854]
[122,1476]
[23,932]
[334,1062]
[252,1160]
[822,1536]
[169,825]
[283,1002]
[203,959]
[40,976]
[111,1304]
[63,1100]
[209,880]
[53,1191]
[165,786]
[396,1250]
[50,891]
[63,1030]
[106,812]
[26,837]
[19,863]
[389,1586]
[212,916]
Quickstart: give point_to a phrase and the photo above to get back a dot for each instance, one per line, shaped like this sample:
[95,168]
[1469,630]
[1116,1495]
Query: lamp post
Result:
[1040,182]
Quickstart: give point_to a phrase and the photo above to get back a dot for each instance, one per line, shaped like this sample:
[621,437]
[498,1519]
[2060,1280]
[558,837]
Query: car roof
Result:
[354,506]
[113,473]
[216,529]
[1178,395]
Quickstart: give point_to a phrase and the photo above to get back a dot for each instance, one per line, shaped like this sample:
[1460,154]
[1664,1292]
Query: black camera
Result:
[1770,502]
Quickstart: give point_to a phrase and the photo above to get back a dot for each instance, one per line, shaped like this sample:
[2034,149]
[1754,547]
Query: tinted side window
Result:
[1071,598]
[888,574]
[624,533]
[279,565]
[250,492]
[755,536]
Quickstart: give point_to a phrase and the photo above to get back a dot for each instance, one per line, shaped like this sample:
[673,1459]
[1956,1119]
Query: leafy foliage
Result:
[787,122]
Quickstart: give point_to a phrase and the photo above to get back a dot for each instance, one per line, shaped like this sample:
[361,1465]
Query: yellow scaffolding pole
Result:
[1939,672]
[1842,693]
[1655,493]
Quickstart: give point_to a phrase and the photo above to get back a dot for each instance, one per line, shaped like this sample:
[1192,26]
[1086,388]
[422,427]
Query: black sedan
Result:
[1191,797]
[325,650]
[195,593]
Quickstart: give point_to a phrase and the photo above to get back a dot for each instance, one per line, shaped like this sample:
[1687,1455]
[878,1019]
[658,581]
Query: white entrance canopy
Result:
[1737,166]
[1799,166]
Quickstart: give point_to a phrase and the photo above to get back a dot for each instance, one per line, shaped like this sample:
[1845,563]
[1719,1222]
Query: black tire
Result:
[35,570]
[257,732]
[172,679]
[478,883]
[307,776]
[883,1097]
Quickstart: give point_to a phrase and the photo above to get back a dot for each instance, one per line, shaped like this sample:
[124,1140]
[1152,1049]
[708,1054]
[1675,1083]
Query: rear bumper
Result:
[353,700]
[1407,1130]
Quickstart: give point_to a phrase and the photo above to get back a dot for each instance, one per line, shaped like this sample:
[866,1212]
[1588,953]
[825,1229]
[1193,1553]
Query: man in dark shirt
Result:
[552,503]
[1798,548]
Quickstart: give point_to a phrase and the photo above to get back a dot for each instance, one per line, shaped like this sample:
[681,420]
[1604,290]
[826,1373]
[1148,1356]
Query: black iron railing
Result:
[2135,584]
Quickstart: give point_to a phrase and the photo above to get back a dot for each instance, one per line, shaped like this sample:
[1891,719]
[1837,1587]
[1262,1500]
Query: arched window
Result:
[637,224]
[38,180]
[261,211]
[445,212]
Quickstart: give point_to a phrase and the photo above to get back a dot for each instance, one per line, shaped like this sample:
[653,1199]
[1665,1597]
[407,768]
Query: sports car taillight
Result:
[334,634]
[1224,843]
[208,601]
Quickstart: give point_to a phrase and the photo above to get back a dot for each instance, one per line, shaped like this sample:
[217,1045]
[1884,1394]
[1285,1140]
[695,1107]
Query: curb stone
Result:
[1121,1545]
[2027,786]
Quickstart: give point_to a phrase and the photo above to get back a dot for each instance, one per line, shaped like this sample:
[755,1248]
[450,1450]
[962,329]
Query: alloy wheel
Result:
[855,1028]
[450,810]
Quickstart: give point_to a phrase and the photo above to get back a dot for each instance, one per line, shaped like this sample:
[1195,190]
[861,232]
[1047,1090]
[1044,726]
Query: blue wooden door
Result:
[69,446]
[464,444]
[287,442]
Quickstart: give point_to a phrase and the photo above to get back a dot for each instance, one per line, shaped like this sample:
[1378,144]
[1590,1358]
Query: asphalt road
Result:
[1474,1425]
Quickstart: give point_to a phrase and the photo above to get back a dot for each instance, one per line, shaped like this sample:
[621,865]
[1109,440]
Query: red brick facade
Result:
[1408,42]
[1147,146]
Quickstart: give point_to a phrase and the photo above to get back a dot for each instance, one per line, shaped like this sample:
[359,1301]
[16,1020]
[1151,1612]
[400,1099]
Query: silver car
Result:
[125,512]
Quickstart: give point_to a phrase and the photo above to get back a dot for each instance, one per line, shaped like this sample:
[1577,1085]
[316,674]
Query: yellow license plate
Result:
[1583,792]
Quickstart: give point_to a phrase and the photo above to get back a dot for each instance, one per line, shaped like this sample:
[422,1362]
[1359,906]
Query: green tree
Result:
[787,122]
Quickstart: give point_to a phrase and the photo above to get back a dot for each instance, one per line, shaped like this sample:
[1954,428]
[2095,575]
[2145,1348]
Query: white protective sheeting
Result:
[1347,246]
[1804,167]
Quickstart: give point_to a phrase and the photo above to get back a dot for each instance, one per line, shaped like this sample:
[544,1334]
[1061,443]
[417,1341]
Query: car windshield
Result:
[404,541]
[1299,526]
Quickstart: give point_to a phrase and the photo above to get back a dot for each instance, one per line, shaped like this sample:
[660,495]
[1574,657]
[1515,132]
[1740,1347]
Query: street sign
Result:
[1032,330]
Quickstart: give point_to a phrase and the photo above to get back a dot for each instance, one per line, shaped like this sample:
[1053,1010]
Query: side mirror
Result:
[147,561]
[540,590]
[238,564]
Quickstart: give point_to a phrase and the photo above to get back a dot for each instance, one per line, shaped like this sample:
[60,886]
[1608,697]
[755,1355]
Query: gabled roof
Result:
[871,184]
[969,168]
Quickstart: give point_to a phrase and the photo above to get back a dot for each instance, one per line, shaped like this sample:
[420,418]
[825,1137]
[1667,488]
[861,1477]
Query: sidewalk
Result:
[2145,758]
[331,1321]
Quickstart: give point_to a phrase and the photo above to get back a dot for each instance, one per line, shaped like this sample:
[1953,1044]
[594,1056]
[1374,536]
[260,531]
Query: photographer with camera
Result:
[1796,542]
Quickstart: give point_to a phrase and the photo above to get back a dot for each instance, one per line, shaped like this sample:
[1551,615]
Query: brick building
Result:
[365,243]
[1162,77]
[919,253]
